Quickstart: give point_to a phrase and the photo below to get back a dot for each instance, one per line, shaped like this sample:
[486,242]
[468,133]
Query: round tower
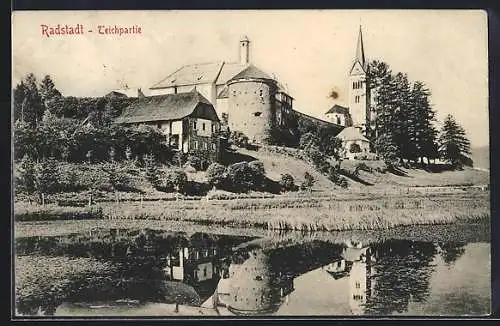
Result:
[252,104]
[252,288]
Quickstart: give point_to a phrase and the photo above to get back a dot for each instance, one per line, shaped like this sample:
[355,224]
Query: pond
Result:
[170,273]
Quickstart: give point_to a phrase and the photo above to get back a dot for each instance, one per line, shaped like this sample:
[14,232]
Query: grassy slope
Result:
[276,164]
[481,157]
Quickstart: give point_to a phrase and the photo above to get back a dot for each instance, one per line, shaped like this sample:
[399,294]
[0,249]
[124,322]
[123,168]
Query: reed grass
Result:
[322,213]
[312,215]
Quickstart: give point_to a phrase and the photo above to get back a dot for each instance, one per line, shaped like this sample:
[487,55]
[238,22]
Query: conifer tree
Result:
[48,92]
[454,146]
[32,103]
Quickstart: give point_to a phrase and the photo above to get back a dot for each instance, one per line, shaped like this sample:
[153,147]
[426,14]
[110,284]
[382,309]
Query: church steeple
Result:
[360,51]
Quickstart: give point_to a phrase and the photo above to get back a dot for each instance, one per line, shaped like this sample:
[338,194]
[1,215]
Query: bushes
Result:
[239,139]
[308,181]
[216,175]
[238,177]
[175,179]
[287,182]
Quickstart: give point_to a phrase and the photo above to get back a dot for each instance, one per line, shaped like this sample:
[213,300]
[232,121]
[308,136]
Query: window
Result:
[257,114]
[339,264]
[338,120]
[203,126]
[205,272]
[260,92]
[159,125]
[195,145]
[213,128]
[194,124]
[358,285]
[175,89]
[214,147]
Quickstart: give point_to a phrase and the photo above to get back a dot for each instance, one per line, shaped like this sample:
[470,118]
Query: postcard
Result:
[251,163]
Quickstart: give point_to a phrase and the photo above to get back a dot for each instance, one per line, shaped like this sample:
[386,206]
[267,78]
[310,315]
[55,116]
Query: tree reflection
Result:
[451,251]
[402,273]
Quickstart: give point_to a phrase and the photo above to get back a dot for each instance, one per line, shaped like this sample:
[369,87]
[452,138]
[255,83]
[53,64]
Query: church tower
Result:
[358,87]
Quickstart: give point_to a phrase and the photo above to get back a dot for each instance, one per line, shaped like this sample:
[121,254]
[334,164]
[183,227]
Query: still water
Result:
[161,273]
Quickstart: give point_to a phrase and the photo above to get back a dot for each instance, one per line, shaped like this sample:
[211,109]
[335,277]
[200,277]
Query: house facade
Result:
[339,115]
[354,144]
[245,98]
[188,120]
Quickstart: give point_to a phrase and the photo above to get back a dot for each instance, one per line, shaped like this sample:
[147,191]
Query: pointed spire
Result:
[360,51]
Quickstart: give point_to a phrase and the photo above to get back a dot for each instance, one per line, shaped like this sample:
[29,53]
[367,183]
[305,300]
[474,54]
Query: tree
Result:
[18,96]
[48,92]
[287,182]
[26,181]
[216,175]
[404,116]
[151,169]
[46,177]
[176,179]
[32,107]
[454,146]
[240,177]
[308,180]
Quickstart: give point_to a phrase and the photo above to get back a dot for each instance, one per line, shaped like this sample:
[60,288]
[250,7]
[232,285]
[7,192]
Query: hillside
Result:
[481,157]
[276,164]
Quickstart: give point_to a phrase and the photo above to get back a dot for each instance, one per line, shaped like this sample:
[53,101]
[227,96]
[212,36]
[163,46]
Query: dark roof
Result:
[350,134]
[338,109]
[252,72]
[167,107]
[115,94]
[201,73]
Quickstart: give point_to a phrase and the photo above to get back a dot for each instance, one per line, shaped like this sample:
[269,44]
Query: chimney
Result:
[244,50]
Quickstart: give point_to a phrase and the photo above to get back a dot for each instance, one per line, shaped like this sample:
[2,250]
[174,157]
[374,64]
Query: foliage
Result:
[46,176]
[354,148]
[454,146]
[258,173]
[216,175]
[151,169]
[240,177]
[175,179]
[26,180]
[308,181]
[239,139]
[404,116]
[28,106]
[287,182]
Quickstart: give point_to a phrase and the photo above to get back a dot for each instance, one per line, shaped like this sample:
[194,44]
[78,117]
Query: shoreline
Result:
[281,213]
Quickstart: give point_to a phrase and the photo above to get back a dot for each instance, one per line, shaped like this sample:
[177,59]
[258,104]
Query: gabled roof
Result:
[201,73]
[351,133]
[338,109]
[252,72]
[166,107]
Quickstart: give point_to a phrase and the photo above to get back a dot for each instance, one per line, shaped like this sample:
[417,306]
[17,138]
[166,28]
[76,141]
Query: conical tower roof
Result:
[360,50]
[251,72]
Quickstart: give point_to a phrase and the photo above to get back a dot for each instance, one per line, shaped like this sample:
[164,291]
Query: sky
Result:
[309,51]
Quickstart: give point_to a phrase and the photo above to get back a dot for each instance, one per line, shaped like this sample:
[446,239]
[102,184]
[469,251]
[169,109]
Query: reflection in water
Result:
[244,276]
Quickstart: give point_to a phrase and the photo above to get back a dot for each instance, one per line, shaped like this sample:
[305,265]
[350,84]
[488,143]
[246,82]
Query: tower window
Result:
[257,114]
[194,125]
